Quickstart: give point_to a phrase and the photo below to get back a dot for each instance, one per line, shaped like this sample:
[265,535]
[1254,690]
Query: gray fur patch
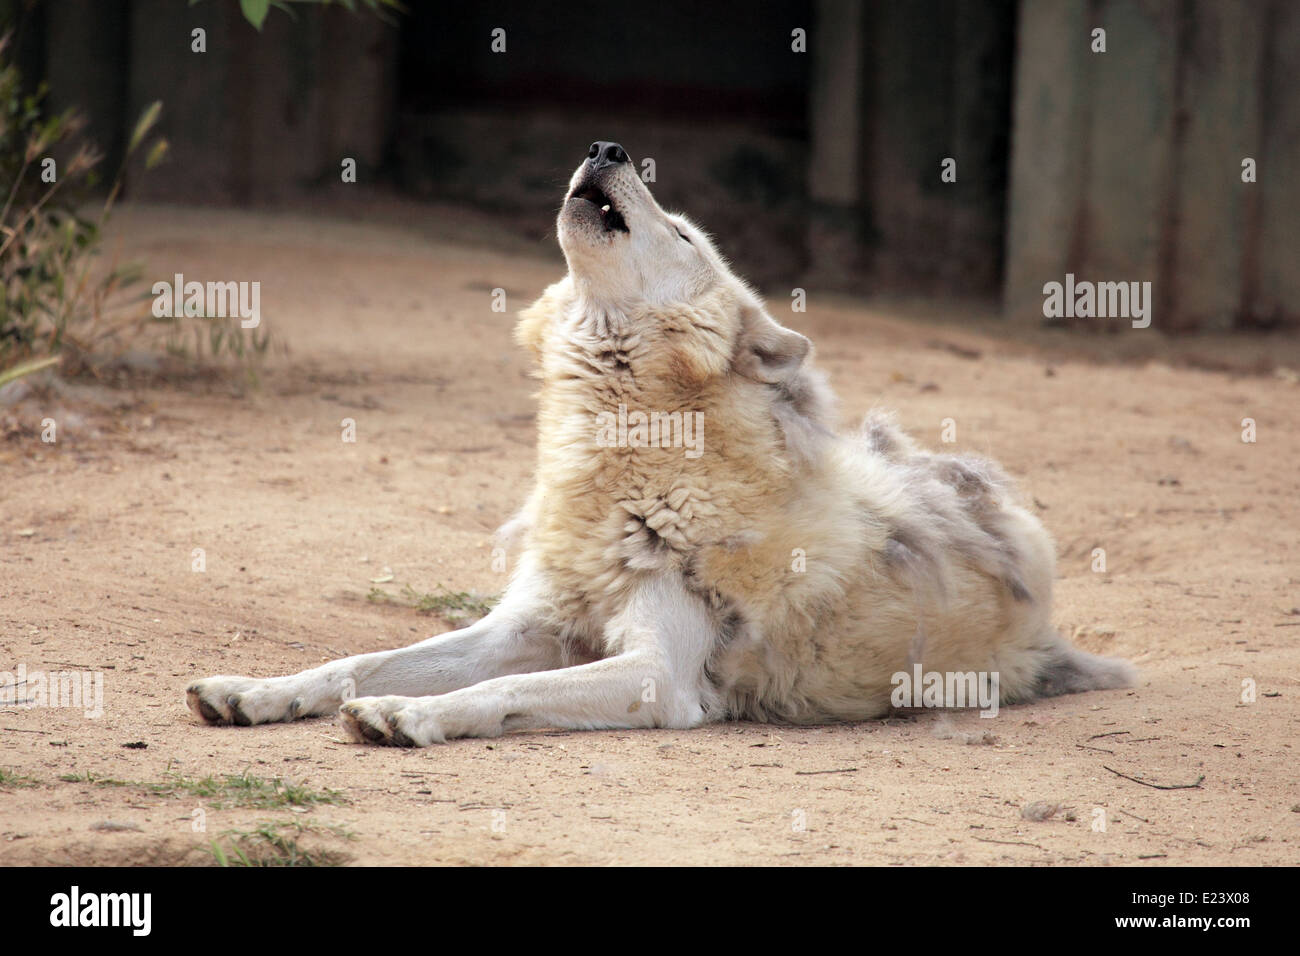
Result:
[911,557]
[881,438]
[958,510]
[804,410]
[1068,670]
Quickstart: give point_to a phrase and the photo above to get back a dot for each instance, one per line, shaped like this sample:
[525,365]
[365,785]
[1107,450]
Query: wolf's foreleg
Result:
[510,640]
[654,677]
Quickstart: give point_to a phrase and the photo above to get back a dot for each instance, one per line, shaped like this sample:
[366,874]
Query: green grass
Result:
[92,779]
[11,778]
[245,790]
[455,607]
[277,844]
[232,790]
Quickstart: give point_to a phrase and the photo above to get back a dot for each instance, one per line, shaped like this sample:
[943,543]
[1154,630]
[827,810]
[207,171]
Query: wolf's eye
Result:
[687,241]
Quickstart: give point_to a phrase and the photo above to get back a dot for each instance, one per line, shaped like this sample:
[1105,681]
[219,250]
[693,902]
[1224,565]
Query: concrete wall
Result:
[813,168]
[745,186]
[713,93]
[896,89]
[1126,165]
[256,115]
[83,44]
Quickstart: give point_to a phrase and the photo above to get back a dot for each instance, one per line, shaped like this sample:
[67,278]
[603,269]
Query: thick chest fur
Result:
[650,460]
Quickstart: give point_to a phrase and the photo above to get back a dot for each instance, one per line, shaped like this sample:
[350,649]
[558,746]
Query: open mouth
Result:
[610,217]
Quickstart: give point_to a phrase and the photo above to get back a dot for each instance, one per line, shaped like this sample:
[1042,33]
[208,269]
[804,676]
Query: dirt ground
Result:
[391,325]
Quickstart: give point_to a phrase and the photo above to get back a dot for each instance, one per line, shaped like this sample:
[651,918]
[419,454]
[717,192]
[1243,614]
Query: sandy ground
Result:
[392,326]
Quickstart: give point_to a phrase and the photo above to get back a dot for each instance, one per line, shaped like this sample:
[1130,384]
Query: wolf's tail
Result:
[1068,670]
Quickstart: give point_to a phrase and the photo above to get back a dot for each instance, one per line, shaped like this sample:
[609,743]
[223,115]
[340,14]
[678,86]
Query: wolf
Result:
[786,572]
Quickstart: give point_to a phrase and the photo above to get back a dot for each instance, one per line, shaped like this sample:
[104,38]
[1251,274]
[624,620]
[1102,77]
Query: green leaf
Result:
[156,154]
[18,371]
[255,11]
[144,124]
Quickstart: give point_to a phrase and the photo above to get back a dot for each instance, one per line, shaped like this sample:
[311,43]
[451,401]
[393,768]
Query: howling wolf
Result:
[760,566]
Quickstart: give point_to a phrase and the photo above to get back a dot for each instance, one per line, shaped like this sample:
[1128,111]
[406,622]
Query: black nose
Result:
[603,154]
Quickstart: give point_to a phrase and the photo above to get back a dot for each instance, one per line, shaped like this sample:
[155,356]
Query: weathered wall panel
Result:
[1126,165]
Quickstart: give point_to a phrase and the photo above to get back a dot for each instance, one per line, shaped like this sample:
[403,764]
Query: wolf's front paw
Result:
[242,700]
[397,721]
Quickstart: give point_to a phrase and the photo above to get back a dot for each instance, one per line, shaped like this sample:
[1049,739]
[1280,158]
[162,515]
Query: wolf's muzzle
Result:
[601,154]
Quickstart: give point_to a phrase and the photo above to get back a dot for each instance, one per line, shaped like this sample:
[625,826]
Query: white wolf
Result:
[782,573]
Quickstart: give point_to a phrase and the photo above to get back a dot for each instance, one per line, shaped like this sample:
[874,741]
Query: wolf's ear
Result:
[765,350]
[535,321]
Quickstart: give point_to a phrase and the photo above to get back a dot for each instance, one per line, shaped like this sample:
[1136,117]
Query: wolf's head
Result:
[655,279]
[623,249]
[627,255]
